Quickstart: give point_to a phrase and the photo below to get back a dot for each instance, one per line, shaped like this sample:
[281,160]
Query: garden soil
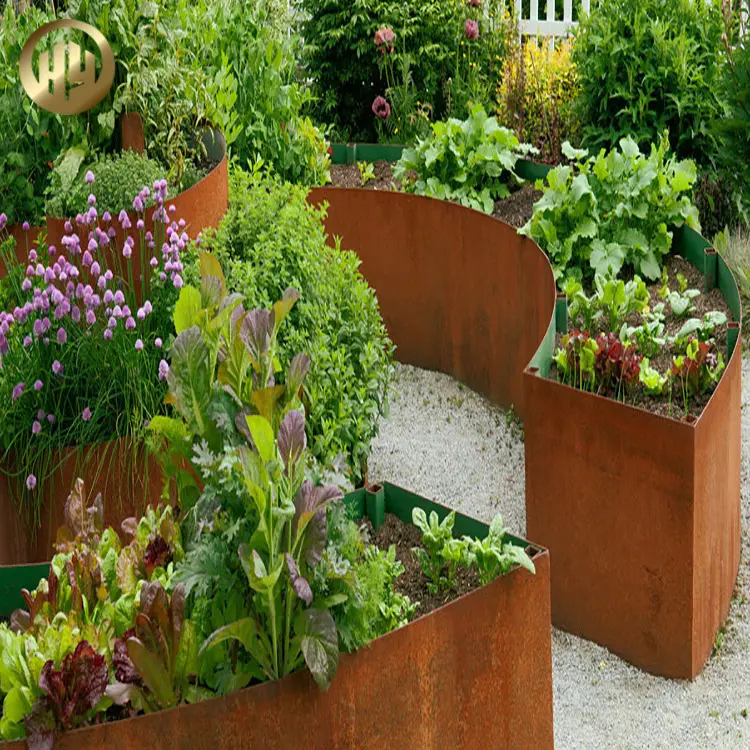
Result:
[445,442]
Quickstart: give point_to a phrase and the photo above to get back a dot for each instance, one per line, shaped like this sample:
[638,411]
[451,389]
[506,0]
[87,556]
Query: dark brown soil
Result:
[662,362]
[517,209]
[348,176]
[413,582]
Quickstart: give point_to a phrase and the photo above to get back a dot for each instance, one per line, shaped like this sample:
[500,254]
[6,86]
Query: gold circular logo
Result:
[69,86]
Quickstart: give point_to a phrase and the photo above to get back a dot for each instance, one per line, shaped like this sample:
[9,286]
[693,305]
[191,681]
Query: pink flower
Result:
[380,108]
[62,336]
[57,368]
[471,29]
[138,345]
[157,343]
[38,385]
[36,428]
[130,324]
[18,390]
[107,334]
[89,177]
[384,38]
[30,482]
[163,370]
[86,416]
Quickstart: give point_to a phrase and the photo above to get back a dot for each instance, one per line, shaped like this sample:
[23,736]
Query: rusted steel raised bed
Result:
[459,291]
[202,206]
[641,513]
[476,673]
[127,479]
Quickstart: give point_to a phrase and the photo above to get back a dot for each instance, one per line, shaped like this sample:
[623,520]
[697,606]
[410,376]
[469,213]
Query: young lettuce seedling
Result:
[493,555]
[440,551]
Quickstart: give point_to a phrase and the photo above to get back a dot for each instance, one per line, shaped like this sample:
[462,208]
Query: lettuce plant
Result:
[71,695]
[494,556]
[703,330]
[649,337]
[697,370]
[440,554]
[653,382]
[613,210]
[471,162]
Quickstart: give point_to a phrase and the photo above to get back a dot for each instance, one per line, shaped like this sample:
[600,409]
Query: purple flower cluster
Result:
[471,29]
[84,290]
[380,108]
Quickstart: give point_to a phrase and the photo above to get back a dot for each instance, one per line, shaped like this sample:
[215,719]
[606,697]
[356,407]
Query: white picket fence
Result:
[552,29]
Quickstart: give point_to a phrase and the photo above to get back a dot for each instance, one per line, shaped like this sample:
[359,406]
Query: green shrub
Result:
[613,210]
[470,162]
[119,178]
[272,239]
[735,128]
[341,58]
[647,65]
[537,95]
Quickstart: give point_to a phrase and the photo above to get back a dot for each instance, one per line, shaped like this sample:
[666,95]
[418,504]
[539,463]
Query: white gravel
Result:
[446,442]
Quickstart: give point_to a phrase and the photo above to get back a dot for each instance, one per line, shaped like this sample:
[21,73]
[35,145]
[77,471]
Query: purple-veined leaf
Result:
[319,642]
[299,584]
[292,440]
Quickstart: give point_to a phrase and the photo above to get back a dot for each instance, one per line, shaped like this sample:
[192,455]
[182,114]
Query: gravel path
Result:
[444,441]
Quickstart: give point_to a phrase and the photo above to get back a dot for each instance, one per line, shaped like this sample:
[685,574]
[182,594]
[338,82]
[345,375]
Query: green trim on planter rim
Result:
[353,152]
[371,502]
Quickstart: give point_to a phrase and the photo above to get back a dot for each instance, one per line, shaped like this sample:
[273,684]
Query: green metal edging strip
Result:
[13,578]
[351,153]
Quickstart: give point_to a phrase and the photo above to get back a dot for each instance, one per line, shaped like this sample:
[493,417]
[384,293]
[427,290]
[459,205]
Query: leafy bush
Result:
[271,239]
[341,58]
[470,162]
[119,178]
[647,65]
[613,210]
[536,97]
[734,129]
[80,349]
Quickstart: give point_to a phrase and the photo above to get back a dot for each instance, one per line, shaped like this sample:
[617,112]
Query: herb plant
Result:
[81,344]
[613,210]
[366,171]
[697,370]
[440,554]
[271,238]
[471,162]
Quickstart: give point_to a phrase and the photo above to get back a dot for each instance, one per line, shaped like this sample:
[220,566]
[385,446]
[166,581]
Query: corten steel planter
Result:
[641,513]
[202,206]
[476,673]
[127,478]
[459,291]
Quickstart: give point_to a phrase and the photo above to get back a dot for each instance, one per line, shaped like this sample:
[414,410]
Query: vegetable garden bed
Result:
[640,512]
[478,670]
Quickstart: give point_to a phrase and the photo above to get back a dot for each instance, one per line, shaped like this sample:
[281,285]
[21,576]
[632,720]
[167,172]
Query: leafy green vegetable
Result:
[493,555]
[613,210]
[471,162]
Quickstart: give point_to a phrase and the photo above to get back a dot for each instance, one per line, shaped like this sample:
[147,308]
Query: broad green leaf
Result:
[320,645]
[152,672]
[262,434]
[210,266]
[187,308]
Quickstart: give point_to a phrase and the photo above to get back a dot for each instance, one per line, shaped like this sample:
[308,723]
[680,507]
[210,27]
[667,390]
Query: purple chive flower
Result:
[68,227]
[163,370]
[108,296]
[86,416]
[32,255]
[92,200]
[26,285]
[87,258]
[90,177]
[38,328]
[125,311]
[148,307]
[26,226]
[141,314]
[3,221]
[62,336]
[471,29]
[30,482]
[57,368]
[95,268]
[117,312]
[380,108]
[40,415]
[90,317]
[138,345]
[138,203]
[75,314]
[177,281]
[18,390]
[36,428]
[27,342]
[157,343]
[127,251]
[51,418]
[130,324]
[119,297]
[108,333]
[38,385]
[106,216]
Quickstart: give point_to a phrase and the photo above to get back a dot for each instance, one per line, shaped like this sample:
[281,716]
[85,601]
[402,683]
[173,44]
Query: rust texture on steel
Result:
[459,291]
[127,480]
[641,517]
[474,674]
